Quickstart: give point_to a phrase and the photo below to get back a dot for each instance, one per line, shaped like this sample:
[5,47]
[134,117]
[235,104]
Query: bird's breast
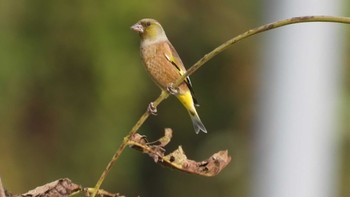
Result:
[160,69]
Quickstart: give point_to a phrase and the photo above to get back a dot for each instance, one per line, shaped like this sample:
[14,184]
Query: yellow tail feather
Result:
[187,101]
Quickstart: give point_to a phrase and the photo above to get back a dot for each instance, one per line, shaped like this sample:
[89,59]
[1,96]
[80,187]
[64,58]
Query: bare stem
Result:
[201,62]
[263,28]
[121,148]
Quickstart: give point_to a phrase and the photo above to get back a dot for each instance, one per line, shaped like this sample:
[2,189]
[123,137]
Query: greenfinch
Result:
[165,66]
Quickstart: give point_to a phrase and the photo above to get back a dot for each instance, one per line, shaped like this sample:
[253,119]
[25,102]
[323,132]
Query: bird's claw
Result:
[172,90]
[152,109]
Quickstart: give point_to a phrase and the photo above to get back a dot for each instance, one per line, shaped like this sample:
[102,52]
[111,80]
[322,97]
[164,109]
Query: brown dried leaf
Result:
[209,167]
[178,159]
[168,134]
[61,187]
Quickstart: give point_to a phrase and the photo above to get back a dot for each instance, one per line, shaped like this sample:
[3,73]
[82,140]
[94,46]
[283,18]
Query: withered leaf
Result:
[178,159]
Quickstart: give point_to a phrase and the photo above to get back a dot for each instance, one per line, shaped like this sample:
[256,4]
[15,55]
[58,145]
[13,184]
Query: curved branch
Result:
[260,29]
[201,62]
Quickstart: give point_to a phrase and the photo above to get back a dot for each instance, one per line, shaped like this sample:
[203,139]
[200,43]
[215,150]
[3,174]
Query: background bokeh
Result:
[72,85]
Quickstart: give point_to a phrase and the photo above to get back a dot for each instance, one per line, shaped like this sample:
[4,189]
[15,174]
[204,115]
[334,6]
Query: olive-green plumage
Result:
[165,66]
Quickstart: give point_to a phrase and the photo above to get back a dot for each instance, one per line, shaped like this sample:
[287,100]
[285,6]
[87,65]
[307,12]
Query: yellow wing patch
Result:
[177,63]
[172,61]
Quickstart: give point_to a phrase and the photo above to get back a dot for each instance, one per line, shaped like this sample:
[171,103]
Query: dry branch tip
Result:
[178,159]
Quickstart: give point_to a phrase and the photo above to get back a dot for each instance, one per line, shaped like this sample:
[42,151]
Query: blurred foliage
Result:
[72,85]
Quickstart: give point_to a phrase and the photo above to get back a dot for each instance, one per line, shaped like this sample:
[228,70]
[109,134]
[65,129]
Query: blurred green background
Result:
[72,85]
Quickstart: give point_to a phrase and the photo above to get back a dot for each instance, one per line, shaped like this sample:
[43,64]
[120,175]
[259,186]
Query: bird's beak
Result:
[137,27]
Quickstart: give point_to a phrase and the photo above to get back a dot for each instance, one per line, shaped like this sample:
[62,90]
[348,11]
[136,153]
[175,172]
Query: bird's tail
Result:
[188,103]
[197,123]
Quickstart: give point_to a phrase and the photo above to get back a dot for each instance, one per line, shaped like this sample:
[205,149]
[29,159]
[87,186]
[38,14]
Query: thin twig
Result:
[121,148]
[205,59]
[263,28]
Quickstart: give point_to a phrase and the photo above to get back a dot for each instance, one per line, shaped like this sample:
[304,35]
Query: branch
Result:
[121,148]
[260,29]
[60,188]
[206,58]
[178,159]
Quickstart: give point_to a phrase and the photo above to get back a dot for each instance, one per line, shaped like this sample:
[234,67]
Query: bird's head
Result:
[149,30]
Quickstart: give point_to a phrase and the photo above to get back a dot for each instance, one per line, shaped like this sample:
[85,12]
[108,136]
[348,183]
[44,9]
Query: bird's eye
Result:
[148,24]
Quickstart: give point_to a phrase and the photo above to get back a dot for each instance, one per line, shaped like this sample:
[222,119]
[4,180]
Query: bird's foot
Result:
[172,90]
[152,109]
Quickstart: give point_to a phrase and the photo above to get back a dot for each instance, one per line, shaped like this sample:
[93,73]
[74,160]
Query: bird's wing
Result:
[173,57]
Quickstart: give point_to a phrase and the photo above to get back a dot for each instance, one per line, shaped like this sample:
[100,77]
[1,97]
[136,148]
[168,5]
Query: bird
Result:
[164,65]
